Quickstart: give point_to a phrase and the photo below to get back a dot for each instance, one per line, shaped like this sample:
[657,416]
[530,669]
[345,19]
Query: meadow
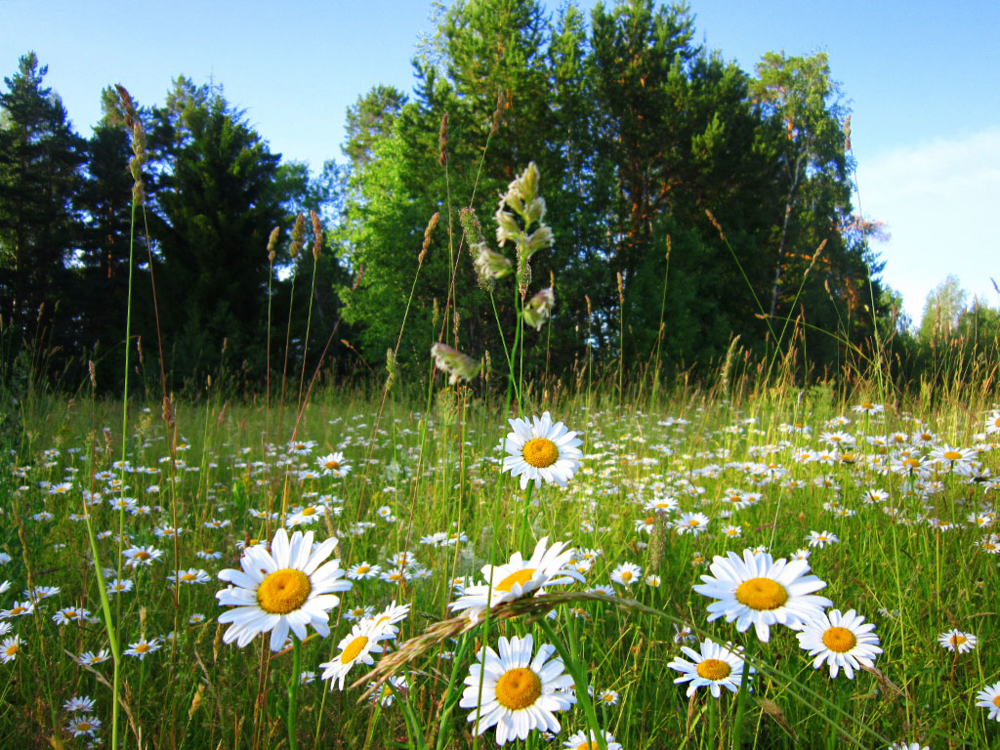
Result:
[892,510]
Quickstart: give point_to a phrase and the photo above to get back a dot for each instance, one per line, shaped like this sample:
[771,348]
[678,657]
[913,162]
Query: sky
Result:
[921,82]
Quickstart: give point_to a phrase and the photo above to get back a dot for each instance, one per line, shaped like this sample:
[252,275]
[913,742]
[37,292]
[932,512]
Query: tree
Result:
[810,147]
[369,119]
[942,310]
[219,199]
[40,174]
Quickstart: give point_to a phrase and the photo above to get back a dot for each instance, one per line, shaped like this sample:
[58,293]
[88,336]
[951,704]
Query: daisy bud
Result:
[455,364]
[539,308]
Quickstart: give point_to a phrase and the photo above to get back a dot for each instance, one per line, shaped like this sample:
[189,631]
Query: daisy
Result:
[952,457]
[758,590]
[362,571]
[10,648]
[18,609]
[993,427]
[715,667]
[588,741]
[956,640]
[691,523]
[841,640]
[821,539]
[119,586]
[653,580]
[333,465]
[384,623]
[990,698]
[516,690]
[868,408]
[70,614]
[85,725]
[911,746]
[541,451]
[79,704]
[626,574]
[90,659]
[142,648]
[608,697]
[287,588]
[136,556]
[191,576]
[355,647]
[519,577]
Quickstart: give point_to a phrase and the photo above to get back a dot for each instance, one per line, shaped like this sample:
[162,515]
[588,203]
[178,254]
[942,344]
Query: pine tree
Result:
[40,173]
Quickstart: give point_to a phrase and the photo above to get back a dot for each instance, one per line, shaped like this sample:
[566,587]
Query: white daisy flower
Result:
[541,451]
[355,647]
[287,588]
[715,667]
[588,741]
[363,570]
[191,576]
[10,648]
[516,691]
[821,539]
[844,641]
[504,583]
[990,698]
[758,590]
[956,640]
[626,574]
[333,465]
[84,726]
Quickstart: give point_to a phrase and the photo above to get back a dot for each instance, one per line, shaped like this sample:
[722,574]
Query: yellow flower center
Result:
[362,569]
[713,669]
[283,591]
[142,648]
[541,453]
[911,463]
[761,594]
[694,522]
[188,577]
[209,550]
[518,688]
[70,614]
[952,455]
[650,520]
[626,575]
[353,649]
[308,511]
[867,406]
[521,576]
[925,436]
[996,701]
[839,639]
[12,649]
[332,465]
[142,555]
[84,726]
[957,640]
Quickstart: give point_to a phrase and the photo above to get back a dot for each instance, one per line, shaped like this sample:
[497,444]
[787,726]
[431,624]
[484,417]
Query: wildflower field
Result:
[812,573]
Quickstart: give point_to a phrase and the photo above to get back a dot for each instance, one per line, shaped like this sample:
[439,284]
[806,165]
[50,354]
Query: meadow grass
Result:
[917,563]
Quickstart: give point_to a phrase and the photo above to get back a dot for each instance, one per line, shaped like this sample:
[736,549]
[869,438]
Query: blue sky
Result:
[920,79]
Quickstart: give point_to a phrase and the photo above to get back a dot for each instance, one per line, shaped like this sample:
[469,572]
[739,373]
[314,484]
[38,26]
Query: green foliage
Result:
[40,178]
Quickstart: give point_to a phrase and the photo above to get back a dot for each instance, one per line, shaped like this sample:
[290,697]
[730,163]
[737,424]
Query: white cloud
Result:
[941,200]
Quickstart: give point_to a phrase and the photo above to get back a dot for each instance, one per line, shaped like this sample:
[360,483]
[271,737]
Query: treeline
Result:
[690,202]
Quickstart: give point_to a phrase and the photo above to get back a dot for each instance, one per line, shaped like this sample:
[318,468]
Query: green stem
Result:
[293,692]
[579,681]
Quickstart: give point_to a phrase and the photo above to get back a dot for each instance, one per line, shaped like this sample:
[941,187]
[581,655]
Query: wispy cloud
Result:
[939,199]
